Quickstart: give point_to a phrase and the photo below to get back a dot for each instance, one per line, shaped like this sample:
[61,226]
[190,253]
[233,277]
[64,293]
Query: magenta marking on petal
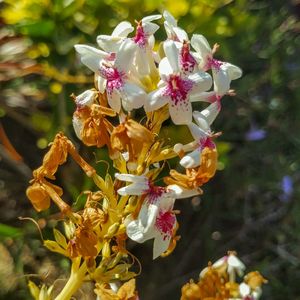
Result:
[212,63]
[154,193]
[206,142]
[165,223]
[115,78]
[140,37]
[177,89]
[187,61]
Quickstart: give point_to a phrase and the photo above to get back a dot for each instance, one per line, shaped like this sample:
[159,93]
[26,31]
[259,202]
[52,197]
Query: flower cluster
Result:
[218,281]
[139,84]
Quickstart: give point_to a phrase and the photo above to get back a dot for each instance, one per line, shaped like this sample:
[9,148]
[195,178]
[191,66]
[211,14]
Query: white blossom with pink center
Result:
[156,219]
[143,41]
[202,134]
[176,88]
[114,75]
[223,72]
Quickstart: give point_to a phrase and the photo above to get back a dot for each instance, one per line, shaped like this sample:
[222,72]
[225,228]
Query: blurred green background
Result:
[250,206]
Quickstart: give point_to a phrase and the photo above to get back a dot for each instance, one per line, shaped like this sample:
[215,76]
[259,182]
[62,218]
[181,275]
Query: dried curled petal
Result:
[38,196]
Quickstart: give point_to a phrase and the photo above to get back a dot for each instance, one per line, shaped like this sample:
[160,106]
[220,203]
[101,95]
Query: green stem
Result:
[73,284]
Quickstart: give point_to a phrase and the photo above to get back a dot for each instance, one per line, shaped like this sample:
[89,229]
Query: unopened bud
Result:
[112,230]
[106,250]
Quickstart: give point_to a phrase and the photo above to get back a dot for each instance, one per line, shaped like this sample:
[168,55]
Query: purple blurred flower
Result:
[255,134]
[287,188]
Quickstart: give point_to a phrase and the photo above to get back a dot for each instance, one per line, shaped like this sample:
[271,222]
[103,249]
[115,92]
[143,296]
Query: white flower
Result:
[223,72]
[143,41]
[114,75]
[202,136]
[155,221]
[176,88]
[233,265]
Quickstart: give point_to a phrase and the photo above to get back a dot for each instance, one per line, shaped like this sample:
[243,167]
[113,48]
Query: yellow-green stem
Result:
[74,283]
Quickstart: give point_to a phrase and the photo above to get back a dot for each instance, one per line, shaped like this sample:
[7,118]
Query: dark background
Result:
[250,206]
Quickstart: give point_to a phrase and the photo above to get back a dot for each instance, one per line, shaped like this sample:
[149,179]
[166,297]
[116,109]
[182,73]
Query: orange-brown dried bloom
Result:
[126,292]
[196,177]
[131,136]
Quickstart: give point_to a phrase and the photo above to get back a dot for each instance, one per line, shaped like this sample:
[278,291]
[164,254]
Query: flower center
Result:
[165,223]
[187,61]
[113,76]
[140,37]
[213,64]
[207,143]
[177,89]
[154,193]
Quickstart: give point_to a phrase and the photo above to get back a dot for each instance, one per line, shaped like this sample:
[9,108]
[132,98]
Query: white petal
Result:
[221,81]
[201,45]
[125,55]
[123,29]
[151,18]
[235,262]
[131,177]
[181,34]
[197,132]
[160,245]
[134,232]
[87,98]
[181,193]
[147,218]
[245,289]
[101,83]
[150,28]
[191,160]
[109,43]
[169,29]
[165,69]
[233,71]
[209,114]
[134,189]
[90,56]
[202,82]
[172,55]
[220,262]
[141,60]
[155,100]
[77,125]
[180,113]
[169,18]
[114,100]
[204,96]
[133,96]
[143,229]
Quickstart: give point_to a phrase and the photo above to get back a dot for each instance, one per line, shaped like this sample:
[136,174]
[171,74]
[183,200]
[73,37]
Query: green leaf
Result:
[43,28]
[9,231]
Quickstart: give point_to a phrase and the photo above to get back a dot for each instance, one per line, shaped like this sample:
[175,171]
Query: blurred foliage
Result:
[252,204]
